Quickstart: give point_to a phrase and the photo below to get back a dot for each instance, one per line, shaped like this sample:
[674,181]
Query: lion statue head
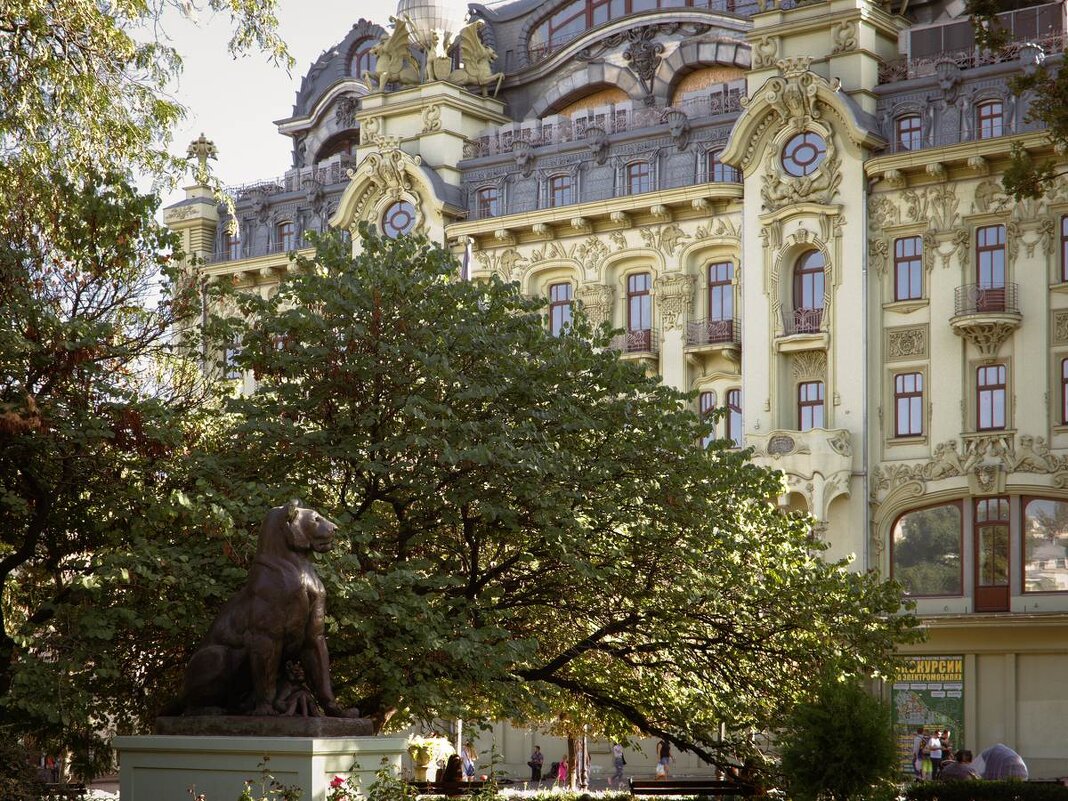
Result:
[294,528]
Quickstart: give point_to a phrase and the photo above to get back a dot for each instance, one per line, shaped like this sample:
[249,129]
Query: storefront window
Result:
[927,551]
[1045,545]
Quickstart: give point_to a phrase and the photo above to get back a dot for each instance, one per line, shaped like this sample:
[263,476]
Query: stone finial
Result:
[201,149]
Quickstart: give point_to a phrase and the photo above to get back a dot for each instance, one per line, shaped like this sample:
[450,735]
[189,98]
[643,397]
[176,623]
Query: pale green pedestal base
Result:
[163,768]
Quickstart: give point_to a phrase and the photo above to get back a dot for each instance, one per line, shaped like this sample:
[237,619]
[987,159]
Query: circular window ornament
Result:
[399,219]
[803,154]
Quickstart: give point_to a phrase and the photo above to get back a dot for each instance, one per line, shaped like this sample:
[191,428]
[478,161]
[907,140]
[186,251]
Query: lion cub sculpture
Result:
[265,654]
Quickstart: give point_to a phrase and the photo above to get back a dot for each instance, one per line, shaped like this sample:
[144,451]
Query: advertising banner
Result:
[928,692]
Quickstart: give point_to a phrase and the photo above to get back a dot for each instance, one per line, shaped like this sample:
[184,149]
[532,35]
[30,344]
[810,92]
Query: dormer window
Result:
[909,132]
[720,172]
[486,202]
[560,193]
[363,60]
[639,178]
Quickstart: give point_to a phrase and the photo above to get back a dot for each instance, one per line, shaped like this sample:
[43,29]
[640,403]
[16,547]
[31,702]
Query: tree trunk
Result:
[572,762]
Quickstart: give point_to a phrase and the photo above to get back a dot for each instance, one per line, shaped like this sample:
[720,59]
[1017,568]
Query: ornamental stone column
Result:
[674,300]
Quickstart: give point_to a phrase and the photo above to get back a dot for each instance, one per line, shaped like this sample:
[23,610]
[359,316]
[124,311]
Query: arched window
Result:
[989,120]
[639,178]
[576,18]
[909,132]
[809,284]
[285,236]
[363,60]
[718,171]
[734,417]
[560,192]
[486,202]
[926,551]
[707,404]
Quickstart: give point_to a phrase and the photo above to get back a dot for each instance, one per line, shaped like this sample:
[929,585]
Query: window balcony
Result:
[802,321]
[644,342]
[713,333]
[986,315]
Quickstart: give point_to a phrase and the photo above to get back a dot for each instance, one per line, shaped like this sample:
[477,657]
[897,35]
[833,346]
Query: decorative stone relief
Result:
[878,251]
[619,239]
[844,35]
[793,95]
[987,335]
[907,342]
[722,228]
[591,252]
[979,455]
[387,166]
[930,249]
[597,141]
[370,128]
[644,57]
[506,263]
[345,113]
[1060,327]
[936,205]
[667,238]
[596,300]
[782,190]
[809,365]
[882,212]
[765,51]
[678,128]
[1013,234]
[961,240]
[674,297]
[523,153]
[432,118]
[1046,230]
[990,198]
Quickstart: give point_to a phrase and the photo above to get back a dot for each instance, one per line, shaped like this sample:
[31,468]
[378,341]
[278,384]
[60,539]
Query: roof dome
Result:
[430,17]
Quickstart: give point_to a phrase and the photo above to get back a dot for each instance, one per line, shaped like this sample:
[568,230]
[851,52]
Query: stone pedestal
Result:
[163,768]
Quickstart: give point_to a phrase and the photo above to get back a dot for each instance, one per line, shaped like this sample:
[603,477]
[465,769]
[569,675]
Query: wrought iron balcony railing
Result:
[982,298]
[643,341]
[801,321]
[713,332]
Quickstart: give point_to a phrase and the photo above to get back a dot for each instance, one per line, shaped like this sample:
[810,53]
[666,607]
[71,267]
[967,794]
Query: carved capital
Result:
[596,300]
[674,298]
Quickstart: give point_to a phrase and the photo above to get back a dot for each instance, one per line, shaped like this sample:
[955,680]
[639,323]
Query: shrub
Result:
[839,746]
[986,791]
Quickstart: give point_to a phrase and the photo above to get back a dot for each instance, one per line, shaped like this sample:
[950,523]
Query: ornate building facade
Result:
[792,209]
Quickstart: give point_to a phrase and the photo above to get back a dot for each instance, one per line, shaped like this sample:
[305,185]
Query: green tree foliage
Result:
[95,407]
[838,745]
[530,526]
[82,82]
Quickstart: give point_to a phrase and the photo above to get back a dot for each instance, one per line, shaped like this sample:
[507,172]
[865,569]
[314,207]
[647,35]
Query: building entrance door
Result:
[992,555]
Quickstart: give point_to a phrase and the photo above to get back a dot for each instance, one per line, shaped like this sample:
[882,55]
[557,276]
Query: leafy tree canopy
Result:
[82,82]
[530,526]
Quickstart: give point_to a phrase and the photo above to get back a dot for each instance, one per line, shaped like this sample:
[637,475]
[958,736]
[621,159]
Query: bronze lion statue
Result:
[266,654]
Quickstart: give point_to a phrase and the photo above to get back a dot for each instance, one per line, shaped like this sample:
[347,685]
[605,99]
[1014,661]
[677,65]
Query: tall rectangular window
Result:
[231,246]
[560,193]
[286,236]
[707,403]
[720,172]
[908,268]
[1064,391]
[639,177]
[559,308]
[1064,248]
[734,417]
[908,405]
[639,302]
[990,256]
[990,401]
[810,405]
[720,291]
[486,202]
[909,132]
[989,120]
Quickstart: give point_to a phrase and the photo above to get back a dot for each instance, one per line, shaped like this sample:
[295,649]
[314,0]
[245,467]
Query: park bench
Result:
[70,790]
[701,787]
[451,788]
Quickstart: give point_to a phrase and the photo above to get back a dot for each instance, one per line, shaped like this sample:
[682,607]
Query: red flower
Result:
[337,781]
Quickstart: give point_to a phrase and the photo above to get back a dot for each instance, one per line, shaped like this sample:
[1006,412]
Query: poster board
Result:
[928,692]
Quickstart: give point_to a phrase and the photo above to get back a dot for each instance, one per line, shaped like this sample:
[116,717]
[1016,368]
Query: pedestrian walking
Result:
[469,756]
[618,761]
[561,772]
[663,759]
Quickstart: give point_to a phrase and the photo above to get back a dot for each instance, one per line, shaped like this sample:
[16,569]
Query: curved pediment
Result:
[796,99]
